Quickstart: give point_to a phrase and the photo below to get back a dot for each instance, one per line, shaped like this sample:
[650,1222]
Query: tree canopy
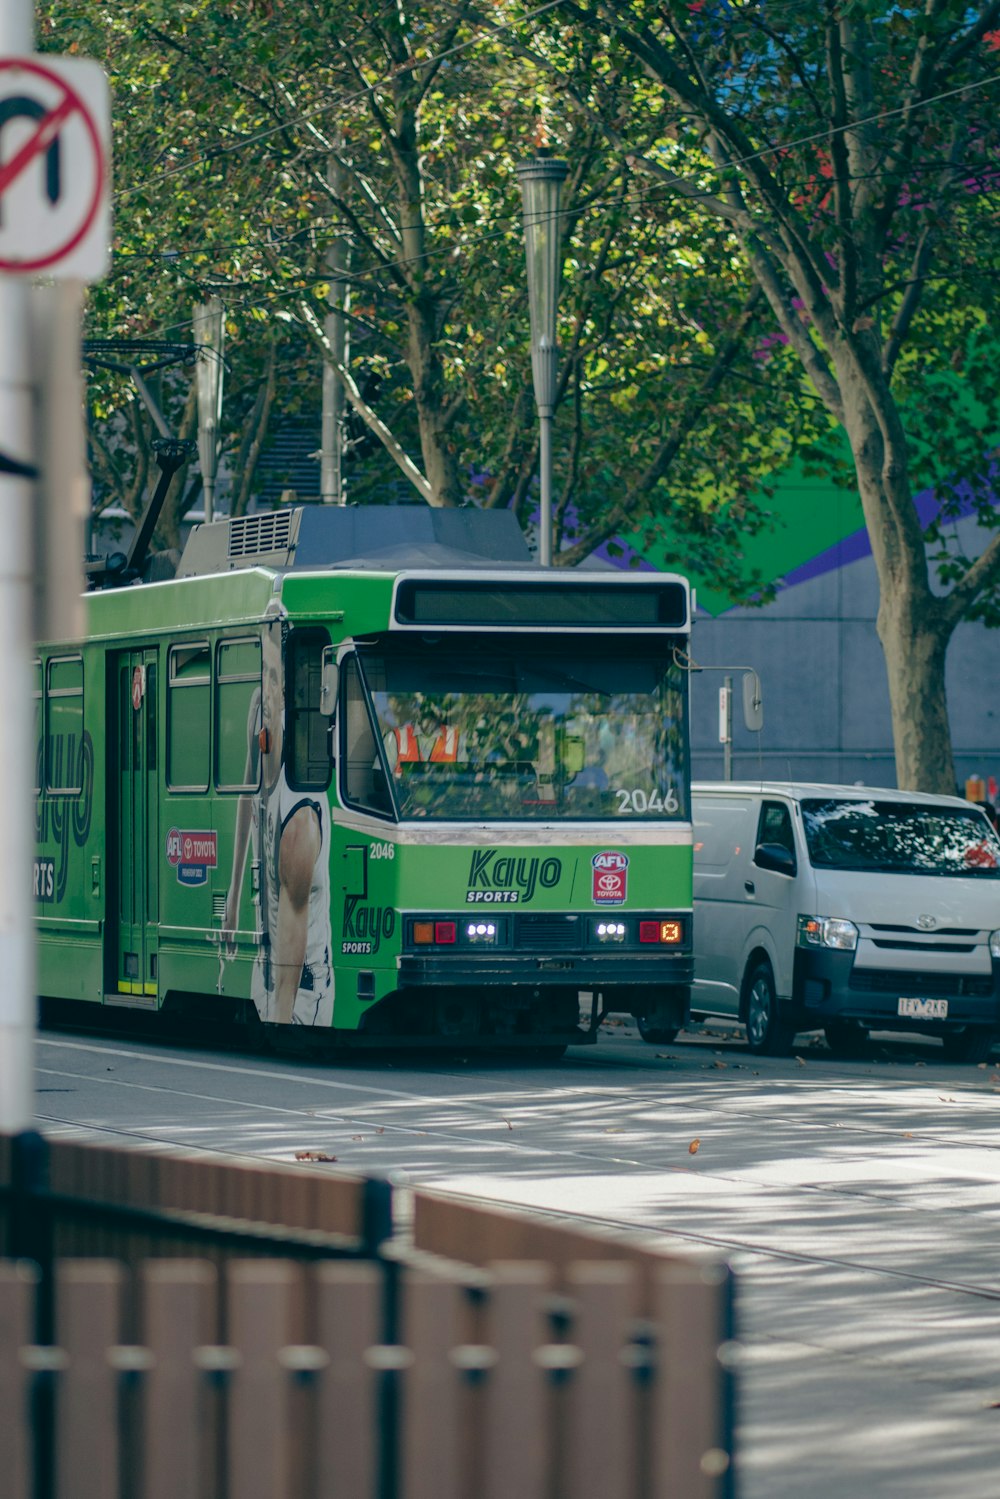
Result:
[250,140]
[851,150]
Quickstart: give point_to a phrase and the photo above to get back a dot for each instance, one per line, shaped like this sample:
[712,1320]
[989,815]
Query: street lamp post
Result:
[541,181]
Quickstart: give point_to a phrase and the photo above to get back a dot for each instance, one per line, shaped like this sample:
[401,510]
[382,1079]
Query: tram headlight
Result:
[458,931]
[610,931]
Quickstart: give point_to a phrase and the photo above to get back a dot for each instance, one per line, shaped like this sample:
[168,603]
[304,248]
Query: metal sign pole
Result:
[17,947]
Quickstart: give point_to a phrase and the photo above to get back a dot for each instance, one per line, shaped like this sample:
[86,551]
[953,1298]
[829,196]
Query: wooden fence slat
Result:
[88,1325]
[260,1300]
[691,1453]
[17,1298]
[515,1404]
[348,1318]
[430,1444]
[177,1319]
[602,1430]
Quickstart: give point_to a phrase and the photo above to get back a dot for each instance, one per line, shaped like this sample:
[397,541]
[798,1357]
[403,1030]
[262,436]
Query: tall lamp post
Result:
[541,181]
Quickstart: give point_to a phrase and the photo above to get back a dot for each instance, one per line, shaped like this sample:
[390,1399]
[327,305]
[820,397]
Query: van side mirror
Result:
[774,856]
[328,681]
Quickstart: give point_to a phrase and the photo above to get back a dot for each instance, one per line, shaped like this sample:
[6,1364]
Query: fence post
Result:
[31,1218]
[17,1286]
[692,1390]
[376,1213]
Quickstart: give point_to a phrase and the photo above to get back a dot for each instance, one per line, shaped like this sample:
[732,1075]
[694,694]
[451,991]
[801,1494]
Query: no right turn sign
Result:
[55,163]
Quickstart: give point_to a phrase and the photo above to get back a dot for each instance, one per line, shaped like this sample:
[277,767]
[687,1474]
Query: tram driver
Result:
[423,736]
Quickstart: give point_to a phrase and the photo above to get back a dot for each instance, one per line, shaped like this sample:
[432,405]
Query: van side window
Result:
[776,826]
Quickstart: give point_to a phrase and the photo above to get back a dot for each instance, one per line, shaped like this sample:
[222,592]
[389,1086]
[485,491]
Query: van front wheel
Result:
[767,1033]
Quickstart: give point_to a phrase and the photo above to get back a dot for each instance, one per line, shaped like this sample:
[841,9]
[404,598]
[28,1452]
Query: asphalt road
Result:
[857,1202]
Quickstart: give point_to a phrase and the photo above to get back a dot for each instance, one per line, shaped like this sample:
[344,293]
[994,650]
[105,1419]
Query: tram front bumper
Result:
[579,970]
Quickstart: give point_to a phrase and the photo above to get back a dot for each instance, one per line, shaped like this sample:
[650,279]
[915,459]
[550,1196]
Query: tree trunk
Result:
[915,642]
[913,627]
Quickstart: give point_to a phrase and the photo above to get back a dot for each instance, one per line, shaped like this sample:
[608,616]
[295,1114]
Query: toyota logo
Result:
[926,923]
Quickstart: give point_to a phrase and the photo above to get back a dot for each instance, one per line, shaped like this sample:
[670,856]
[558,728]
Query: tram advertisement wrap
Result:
[285,835]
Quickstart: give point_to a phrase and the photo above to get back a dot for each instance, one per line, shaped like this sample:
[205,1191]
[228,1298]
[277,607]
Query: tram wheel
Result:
[656,1035]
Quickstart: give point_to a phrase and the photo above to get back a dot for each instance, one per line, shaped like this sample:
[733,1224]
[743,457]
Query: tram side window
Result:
[237,715]
[64,717]
[364,778]
[189,716]
[36,667]
[306,728]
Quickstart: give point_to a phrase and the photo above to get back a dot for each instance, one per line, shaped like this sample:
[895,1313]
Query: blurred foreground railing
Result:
[172,1326]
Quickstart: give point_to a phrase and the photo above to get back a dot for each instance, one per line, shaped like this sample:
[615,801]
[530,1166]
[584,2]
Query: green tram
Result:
[373,773]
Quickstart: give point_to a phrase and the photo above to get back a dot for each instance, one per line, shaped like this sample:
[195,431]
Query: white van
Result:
[846,909]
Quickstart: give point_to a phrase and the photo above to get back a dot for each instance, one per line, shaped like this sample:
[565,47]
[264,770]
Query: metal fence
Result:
[484,1355]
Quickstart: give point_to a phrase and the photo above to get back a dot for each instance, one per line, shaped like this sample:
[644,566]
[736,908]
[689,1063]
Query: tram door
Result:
[138,837]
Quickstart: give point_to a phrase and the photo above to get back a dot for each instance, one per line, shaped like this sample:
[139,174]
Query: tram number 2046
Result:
[382,850]
[645,802]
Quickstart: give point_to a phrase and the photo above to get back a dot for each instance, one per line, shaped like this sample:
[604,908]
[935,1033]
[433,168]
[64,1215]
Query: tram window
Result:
[306,728]
[364,777]
[36,667]
[151,717]
[189,716]
[64,715]
[237,697]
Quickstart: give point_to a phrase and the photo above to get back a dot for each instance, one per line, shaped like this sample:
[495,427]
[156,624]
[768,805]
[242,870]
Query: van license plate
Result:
[924,1009]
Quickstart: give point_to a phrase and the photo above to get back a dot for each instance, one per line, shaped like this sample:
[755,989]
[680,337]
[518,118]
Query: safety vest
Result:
[444,749]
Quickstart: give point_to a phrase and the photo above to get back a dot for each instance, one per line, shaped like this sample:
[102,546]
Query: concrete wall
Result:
[826,702]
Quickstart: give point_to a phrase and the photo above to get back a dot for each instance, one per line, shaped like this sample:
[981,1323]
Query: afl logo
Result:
[610,878]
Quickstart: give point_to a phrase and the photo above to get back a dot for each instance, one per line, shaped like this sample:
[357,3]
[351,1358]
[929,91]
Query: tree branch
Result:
[373,422]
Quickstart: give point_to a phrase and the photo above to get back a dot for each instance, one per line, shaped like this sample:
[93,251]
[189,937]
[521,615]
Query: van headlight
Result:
[827,931]
[995,944]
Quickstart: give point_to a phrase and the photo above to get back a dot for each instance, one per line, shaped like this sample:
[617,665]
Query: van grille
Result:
[941,931]
[923,946]
[926,985]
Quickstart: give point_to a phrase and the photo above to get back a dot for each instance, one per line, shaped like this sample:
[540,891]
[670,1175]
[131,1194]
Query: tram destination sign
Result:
[55,163]
[631,604]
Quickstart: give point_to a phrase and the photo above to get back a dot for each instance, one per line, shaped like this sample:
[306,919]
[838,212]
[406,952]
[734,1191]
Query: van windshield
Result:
[900,838]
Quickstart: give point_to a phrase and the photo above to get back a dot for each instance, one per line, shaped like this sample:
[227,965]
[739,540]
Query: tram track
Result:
[476,1135]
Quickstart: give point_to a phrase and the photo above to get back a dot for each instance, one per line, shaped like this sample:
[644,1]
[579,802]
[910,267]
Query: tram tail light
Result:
[445,932]
[668,933]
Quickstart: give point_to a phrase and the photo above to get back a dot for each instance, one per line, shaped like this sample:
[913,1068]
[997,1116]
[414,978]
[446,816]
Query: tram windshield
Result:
[490,729]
